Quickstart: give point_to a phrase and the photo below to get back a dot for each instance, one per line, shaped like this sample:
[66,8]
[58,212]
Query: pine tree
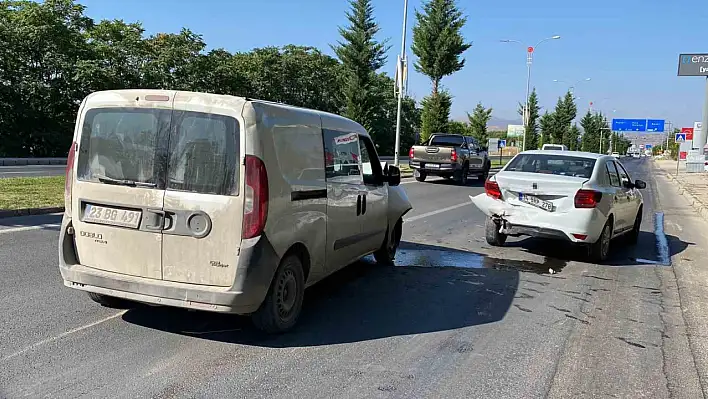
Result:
[361,56]
[547,123]
[438,44]
[478,123]
[532,138]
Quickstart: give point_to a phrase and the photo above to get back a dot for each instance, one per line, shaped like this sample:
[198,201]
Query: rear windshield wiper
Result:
[120,182]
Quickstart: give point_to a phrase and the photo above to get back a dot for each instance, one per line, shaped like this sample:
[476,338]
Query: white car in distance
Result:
[580,197]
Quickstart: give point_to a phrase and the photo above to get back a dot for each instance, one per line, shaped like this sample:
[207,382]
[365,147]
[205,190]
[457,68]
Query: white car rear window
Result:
[552,164]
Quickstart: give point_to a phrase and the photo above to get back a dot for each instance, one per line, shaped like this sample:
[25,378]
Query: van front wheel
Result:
[386,254]
[281,308]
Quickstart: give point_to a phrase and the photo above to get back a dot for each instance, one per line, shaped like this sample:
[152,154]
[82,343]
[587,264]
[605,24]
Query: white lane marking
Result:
[29,228]
[62,335]
[425,215]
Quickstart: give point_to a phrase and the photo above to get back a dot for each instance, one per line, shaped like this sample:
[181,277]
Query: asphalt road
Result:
[455,319]
[32,171]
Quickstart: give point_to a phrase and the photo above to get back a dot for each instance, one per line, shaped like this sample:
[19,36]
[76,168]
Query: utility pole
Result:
[401,69]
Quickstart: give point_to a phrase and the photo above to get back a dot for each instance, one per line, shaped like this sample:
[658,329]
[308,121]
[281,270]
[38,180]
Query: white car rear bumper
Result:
[527,220]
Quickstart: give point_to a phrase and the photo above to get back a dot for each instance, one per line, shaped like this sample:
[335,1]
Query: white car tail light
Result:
[491,188]
[587,198]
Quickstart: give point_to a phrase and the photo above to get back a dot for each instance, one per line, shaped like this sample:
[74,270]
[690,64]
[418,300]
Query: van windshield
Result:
[184,151]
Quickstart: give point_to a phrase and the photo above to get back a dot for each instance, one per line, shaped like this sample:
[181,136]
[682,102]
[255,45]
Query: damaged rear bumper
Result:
[579,227]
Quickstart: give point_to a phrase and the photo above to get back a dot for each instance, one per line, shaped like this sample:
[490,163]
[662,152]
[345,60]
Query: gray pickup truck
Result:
[451,156]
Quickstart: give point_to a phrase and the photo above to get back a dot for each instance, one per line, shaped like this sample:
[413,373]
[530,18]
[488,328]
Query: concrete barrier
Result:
[31,161]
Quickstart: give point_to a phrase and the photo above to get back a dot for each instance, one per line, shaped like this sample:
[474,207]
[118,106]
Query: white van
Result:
[554,147]
[220,203]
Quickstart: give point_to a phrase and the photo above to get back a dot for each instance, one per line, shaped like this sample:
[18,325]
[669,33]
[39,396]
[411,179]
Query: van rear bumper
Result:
[257,264]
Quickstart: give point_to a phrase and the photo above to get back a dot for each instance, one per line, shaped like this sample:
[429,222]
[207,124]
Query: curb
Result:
[31,161]
[700,208]
[29,211]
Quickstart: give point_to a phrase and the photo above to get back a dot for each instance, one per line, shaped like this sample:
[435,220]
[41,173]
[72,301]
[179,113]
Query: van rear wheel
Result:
[110,301]
[281,308]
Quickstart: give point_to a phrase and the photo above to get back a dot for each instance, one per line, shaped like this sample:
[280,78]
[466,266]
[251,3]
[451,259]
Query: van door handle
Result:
[358,205]
[363,204]
[154,220]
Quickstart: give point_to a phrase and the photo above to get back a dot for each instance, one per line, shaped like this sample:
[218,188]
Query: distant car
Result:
[616,155]
[579,197]
[554,147]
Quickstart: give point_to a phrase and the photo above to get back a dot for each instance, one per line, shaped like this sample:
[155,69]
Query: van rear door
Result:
[203,201]
[117,196]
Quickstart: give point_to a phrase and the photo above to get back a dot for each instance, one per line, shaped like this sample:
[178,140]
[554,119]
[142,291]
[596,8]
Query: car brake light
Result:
[410,153]
[68,179]
[587,198]
[580,237]
[491,188]
[453,155]
[255,211]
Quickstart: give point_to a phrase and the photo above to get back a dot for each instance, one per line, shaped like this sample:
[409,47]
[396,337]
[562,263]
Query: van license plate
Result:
[112,216]
[537,202]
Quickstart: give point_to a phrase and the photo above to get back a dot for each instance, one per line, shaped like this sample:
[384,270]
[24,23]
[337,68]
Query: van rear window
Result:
[185,151]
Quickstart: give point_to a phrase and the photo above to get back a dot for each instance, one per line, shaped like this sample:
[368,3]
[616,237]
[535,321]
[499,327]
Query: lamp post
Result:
[529,60]
[571,87]
[401,77]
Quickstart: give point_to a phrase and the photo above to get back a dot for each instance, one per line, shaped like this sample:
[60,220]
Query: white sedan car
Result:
[580,197]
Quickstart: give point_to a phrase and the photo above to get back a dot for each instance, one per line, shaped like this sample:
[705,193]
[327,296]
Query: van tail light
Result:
[255,211]
[453,155]
[491,188]
[68,183]
[587,198]
[410,153]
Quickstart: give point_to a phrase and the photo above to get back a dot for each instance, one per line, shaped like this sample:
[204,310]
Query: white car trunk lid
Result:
[557,189]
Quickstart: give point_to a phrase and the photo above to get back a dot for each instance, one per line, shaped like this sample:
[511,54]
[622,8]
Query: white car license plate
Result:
[112,216]
[537,202]
[432,166]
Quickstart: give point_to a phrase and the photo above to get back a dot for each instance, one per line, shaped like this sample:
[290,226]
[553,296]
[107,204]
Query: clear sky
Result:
[629,48]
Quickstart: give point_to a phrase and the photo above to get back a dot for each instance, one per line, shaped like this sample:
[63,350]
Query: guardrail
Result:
[31,161]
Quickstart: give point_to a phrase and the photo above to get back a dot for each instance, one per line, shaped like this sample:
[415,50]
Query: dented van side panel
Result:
[289,141]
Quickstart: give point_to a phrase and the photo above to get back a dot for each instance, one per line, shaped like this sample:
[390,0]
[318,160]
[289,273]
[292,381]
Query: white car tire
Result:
[600,249]
[492,234]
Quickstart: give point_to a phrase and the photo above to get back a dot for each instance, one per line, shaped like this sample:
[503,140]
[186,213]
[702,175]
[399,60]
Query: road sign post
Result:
[502,144]
[679,138]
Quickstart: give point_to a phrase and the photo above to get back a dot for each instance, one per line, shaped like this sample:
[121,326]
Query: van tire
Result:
[387,253]
[285,295]
[110,301]
[492,234]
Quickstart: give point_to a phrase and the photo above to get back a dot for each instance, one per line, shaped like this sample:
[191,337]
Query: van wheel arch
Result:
[300,250]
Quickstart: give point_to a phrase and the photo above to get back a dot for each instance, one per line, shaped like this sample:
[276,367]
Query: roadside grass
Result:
[497,163]
[31,192]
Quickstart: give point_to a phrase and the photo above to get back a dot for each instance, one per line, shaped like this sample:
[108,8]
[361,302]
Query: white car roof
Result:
[579,154]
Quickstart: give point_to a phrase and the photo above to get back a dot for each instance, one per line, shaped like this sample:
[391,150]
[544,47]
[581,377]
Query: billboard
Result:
[693,65]
[515,131]
[687,132]
[698,135]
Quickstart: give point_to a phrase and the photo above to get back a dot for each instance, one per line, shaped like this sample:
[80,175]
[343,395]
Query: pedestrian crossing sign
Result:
[680,137]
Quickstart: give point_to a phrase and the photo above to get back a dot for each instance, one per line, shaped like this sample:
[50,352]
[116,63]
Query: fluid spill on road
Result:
[421,255]
[662,245]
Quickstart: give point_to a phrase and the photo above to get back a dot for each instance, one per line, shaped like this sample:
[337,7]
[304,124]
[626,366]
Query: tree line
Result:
[52,55]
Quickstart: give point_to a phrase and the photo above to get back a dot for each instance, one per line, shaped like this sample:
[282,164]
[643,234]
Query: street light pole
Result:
[529,61]
[400,82]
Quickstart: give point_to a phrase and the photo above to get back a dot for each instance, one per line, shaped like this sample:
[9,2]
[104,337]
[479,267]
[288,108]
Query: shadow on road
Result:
[430,289]
[622,253]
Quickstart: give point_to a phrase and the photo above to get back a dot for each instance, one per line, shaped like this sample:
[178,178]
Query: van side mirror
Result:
[640,184]
[393,175]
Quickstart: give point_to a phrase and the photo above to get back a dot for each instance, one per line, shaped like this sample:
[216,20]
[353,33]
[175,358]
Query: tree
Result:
[565,112]
[573,138]
[457,127]
[547,124]
[439,45]
[384,118]
[434,117]
[596,129]
[478,123]
[531,131]
[361,56]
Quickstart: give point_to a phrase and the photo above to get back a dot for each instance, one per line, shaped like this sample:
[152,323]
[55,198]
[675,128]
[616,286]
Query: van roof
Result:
[131,94]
